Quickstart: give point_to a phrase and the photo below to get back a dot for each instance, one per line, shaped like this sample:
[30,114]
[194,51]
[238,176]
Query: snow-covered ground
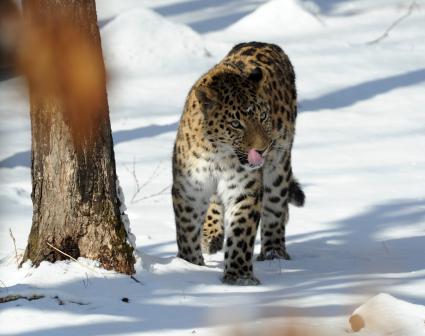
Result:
[359,153]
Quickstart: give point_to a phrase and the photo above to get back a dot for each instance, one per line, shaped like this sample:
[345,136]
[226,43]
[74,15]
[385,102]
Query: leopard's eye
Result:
[236,124]
[263,116]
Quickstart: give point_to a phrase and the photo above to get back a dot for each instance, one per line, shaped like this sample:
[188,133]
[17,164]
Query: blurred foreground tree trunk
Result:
[9,18]
[74,184]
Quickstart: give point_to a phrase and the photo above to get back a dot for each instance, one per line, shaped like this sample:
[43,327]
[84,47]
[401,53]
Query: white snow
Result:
[131,238]
[277,18]
[139,42]
[384,314]
[358,153]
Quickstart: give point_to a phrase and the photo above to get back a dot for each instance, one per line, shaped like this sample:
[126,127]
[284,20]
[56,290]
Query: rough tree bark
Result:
[74,195]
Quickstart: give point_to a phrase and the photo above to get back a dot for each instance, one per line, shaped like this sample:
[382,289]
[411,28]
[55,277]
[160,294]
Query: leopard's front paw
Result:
[276,253]
[240,280]
[194,259]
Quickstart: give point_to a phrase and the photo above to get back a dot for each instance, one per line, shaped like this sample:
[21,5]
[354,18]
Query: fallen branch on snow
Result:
[88,267]
[9,298]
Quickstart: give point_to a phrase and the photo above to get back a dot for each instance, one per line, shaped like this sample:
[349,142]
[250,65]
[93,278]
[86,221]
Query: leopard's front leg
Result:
[242,214]
[277,174]
[190,203]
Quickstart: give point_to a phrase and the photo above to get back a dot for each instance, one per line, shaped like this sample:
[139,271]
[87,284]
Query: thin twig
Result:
[159,193]
[387,250]
[88,267]
[312,11]
[410,10]
[3,285]
[140,187]
[86,282]
[14,245]
[154,174]
[73,259]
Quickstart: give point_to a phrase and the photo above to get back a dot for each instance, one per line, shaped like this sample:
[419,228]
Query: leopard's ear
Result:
[207,98]
[256,75]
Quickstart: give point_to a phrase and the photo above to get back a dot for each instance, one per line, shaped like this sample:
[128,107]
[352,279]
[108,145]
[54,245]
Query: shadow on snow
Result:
[361,92]
[23,159]
[232,11]
[334,100]
[317,268]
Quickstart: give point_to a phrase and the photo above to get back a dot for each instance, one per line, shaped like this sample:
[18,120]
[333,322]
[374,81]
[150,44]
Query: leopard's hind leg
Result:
[213,232]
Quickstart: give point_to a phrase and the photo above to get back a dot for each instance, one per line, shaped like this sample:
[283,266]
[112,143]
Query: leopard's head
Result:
[236,117]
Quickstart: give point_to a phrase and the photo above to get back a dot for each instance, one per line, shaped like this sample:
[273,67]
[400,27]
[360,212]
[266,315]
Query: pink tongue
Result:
[254,157]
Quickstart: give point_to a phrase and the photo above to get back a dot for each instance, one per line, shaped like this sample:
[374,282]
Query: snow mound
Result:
[277,17]
[140,42]
[385,315]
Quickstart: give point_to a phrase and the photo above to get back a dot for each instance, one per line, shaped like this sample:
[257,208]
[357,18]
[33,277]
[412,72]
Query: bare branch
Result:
[159,193]
[140,187]
[154,174]
[87,282]
[73,259]
[313,10]
[3,285]
[410,10]
[9,298]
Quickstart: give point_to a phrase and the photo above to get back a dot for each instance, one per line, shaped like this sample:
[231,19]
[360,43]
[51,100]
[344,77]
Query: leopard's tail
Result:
[296,194]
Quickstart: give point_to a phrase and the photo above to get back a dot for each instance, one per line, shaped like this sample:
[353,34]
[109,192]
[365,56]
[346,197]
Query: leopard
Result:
[231,162]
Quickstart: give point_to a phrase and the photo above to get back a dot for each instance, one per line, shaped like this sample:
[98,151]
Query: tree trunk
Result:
[74,181]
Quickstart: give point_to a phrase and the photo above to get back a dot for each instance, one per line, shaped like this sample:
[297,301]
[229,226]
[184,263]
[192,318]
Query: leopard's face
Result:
[237,119]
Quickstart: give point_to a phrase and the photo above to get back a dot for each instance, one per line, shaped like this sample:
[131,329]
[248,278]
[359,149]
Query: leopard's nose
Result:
[261,151]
